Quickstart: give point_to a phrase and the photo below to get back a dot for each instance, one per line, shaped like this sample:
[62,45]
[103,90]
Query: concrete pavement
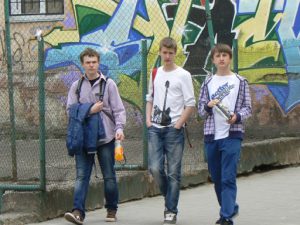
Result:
[269,198]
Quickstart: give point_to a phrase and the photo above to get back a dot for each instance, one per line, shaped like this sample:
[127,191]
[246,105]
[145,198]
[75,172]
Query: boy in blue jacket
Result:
[112,112]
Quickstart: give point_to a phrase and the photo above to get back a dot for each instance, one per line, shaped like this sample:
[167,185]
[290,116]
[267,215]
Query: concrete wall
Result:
[268,55]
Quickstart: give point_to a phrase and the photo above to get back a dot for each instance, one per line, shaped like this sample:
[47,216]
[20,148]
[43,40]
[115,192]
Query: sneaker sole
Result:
[71,218]
[169,222]
[110,220]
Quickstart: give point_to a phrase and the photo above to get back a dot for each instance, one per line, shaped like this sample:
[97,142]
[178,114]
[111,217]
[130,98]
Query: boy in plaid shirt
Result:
[225,104]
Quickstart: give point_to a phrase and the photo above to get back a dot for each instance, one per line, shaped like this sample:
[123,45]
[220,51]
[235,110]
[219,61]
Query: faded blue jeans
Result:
[166,144]
[84,166]
[222,157]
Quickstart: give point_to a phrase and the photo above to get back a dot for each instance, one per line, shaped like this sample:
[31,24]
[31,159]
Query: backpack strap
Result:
[78,89]
[102,86]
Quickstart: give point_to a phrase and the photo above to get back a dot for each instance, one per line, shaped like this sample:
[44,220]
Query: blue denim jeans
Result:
[84,165]
[166,144]
[222,157]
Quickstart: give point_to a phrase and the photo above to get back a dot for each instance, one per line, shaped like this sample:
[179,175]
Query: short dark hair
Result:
[168,42]
[219,48]
[89,52]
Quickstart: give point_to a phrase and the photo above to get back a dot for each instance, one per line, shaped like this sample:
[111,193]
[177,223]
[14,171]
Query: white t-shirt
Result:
[225,88]
[172,92]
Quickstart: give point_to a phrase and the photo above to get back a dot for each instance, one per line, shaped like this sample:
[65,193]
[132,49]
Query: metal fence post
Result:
[209,25]
[10,91]
[235,56]
[42,131]
[144,92]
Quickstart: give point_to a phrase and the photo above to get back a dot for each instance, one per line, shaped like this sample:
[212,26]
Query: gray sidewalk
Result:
[270,198]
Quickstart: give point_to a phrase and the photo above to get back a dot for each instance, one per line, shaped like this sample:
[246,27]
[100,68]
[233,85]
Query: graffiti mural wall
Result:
[267,33]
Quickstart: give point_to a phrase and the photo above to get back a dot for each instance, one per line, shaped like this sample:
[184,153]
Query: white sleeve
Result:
[149,96]
[188,90]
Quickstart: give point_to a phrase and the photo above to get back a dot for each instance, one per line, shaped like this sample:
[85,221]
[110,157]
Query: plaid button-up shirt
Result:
[243,110]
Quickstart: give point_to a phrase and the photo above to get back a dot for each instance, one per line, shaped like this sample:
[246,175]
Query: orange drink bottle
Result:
[119,151]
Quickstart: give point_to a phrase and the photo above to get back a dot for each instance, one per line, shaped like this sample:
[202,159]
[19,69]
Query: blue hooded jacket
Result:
[84,130]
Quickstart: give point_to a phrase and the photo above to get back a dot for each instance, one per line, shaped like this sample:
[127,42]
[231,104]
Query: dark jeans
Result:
[84,165]
[166,144]
[222,157]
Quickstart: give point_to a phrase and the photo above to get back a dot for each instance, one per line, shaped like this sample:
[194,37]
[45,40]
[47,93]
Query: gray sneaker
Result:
[170,218]
[111,215]
[74,217]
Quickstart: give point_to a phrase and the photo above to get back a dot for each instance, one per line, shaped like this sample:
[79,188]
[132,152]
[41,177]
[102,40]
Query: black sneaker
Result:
[74,217]
[111,215]
[219,221]
[233,216]
[226,222]
[170,218]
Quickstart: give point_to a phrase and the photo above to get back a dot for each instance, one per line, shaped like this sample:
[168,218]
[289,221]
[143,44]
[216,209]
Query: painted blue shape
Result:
[288,96]
[294,92]
[134,35]
[246,6]
[280,93]
[126,52]
[293,68]
[141,9]
[104,69]
[279,5]
[296,27]
[289,42]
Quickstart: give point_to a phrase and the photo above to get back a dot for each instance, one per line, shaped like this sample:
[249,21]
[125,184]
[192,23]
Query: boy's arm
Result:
[246,109]
[189,101]
[117,108]
[149,106]
[203,109]
[187,112]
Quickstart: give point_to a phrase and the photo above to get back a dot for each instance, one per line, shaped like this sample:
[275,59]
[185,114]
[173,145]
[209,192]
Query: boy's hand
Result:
[97,107]
[232,119]
[119,135]
[148,124]
[213,103]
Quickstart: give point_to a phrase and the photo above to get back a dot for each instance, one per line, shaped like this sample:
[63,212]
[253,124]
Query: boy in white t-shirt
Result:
[225,104]
[170,102]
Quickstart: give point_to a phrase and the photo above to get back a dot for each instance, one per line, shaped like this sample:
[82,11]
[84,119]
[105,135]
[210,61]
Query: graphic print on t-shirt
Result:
[222,91]
[162,117]
[220,94]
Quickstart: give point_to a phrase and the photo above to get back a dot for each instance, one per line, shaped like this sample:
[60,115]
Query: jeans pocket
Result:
[177,130]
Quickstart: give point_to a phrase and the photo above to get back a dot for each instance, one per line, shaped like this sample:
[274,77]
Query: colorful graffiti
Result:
[267,32]
[268,43]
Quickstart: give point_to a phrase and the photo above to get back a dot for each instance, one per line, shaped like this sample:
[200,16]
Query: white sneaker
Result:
[170,218]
